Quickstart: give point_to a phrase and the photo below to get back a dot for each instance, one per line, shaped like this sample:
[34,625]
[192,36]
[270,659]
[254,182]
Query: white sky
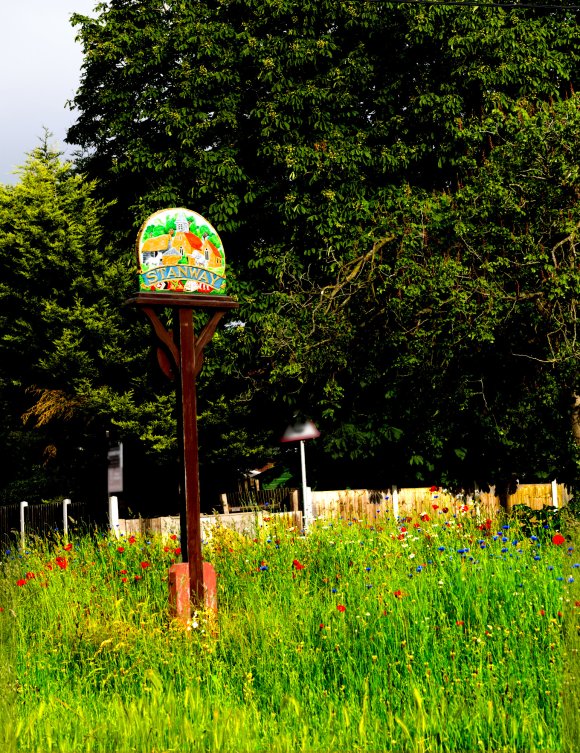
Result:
[39,71]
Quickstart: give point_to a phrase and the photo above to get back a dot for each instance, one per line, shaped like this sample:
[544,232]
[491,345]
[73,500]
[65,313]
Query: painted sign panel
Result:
[178,251]
[115,469]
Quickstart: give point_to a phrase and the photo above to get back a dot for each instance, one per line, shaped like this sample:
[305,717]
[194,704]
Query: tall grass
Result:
[450,635]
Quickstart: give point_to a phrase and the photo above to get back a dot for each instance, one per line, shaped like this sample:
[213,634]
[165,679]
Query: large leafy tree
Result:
[396,185]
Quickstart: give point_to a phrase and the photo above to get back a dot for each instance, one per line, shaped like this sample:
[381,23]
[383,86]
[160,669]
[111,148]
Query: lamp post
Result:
[300,432]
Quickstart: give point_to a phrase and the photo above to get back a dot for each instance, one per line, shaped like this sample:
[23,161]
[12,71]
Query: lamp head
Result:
[299,431]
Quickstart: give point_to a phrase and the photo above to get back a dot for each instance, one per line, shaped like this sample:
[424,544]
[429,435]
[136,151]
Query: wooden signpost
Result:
[182,267]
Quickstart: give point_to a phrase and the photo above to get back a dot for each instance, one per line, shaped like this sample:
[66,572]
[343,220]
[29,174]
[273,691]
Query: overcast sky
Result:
[39,71]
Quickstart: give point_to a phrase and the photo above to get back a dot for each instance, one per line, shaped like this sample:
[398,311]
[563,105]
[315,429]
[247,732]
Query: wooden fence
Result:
[244,522]
[359,504]
[249,510]
[366,504]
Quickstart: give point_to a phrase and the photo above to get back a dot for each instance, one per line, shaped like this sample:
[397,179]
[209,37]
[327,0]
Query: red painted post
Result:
[179,601]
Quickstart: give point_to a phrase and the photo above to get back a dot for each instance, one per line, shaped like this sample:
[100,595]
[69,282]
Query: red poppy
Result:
[124,580]
[138,577]
[297,565]
[48,566]
[166,548]
[30,576]
[558,539]
[425,518]
[435,507]
[21,582]
[577,603]
[67,547]
[433,488]
[560,614]
[460,623]
[341,607]
[131,539]
[173,537]
[121,549]
[62,562]
[542,612]
[403,529]
[123,572]
[177,550]
[445,509]
[145,565]
[398,594]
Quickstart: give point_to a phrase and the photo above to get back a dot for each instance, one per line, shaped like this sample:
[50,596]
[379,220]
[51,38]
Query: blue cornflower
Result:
[537,557]
[505,527]
[334,590]
[441,548]
[504,549]
[263,567]
[504,539]
[419,568]
[559,578]
[515,542]
[533,538]
[570,579]
[368,569]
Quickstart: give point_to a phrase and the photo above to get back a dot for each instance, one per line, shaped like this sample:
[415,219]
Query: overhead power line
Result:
[474,3]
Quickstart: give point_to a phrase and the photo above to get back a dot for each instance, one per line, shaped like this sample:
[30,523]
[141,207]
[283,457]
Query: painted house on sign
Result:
[178,251]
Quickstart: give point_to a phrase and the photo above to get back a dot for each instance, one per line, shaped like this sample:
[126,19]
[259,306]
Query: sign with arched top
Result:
[178,251]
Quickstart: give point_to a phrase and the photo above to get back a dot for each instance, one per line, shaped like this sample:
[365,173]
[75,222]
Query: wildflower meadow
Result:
[429,633]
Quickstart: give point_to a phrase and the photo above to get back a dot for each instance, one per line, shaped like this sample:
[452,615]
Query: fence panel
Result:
[9,524]
[43,519]
[273,500]
[373,505]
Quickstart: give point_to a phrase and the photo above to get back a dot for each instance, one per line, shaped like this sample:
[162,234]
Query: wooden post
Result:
[189,449]
[182,356]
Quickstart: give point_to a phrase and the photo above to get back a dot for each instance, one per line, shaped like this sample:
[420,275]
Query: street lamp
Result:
[300,432]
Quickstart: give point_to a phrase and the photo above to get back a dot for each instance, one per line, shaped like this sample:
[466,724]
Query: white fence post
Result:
[308,511]
[65,504]
[114,515]
[395,503]
[555,493]
[22,536]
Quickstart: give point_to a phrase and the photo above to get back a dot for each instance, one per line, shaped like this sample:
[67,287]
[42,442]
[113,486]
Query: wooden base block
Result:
[179,591]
